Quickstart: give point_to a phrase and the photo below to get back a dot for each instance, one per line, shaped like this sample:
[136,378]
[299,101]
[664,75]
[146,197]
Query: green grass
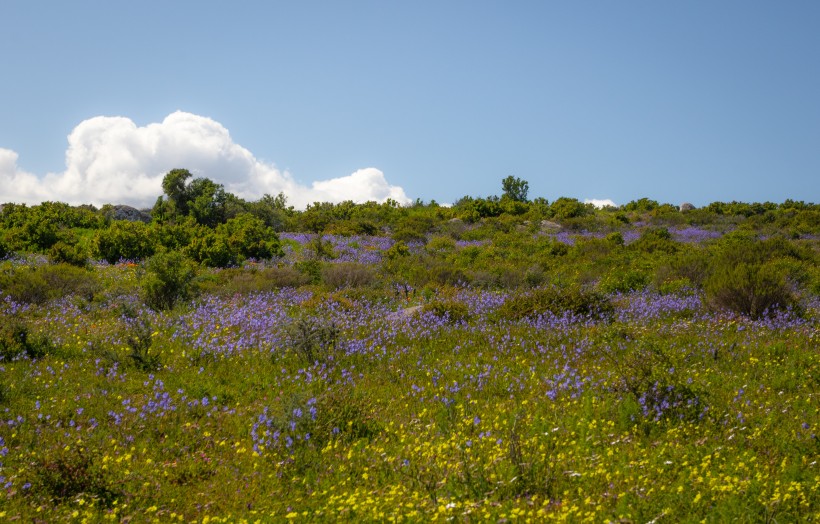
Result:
[416,420]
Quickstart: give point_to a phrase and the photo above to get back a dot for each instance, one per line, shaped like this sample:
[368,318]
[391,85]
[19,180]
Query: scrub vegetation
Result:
[503,359]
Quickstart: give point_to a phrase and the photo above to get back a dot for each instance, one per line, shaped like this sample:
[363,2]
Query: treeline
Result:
[218,229]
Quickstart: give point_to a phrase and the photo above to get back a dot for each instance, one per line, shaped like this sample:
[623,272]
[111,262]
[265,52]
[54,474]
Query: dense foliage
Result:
[503,359]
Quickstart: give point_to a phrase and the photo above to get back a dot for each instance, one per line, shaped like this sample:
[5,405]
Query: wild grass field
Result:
[480,371]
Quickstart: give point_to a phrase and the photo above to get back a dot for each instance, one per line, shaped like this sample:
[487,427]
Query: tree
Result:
[173,185]
[201,198]
[207,202]
[273,211]
[515,189]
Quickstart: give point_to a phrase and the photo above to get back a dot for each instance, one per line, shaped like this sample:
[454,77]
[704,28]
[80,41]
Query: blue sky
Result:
[690,101]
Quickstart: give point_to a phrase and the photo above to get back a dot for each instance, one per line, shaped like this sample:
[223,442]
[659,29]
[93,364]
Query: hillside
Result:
[502,359]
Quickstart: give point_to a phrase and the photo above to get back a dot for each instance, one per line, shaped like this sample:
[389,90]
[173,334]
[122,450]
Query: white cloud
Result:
[112,160]
[600,203]
[14,181]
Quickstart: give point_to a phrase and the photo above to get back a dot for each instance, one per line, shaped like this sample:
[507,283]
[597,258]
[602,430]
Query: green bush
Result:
[557,301]
[564,208]
[5,250]
[167,280]
[654,378]
[534,276]
[237,280]
[249,237]
[452,310]
[16,339]
[177,235]
[750,276]
[66,253]
[441,245]
[139,341]
[347,274]
[212,250]
[72,473]
[240,238]
[314,340]
[445,275]
[284,276]
[624,281]
[656,239]
[124,240]
[690,264]
[310,269]
[679,286]
[320,249]
[301,425]
[751,289]
[43,283]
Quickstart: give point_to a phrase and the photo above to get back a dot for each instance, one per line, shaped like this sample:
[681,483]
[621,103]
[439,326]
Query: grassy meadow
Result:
[479,372]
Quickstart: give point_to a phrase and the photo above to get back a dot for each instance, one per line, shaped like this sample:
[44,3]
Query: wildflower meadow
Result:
[476,371]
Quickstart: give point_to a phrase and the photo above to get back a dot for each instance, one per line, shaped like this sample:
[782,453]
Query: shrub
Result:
[16,339]
[235,280]
[320,302]
[41,284]
[656,239]
[750,289]
[594,249]
[396,251]
[65,279]
[240,238]
[313,341]
[557,301]
[124,240]
[446,275]
[679,286]
[451,310]
[347,274]
[689,265]
[534,276]
[320,248]
[483,279]
[64,253]
[168,279]
[564,208]
[73,473]
[284,276]
[176,235]
[624,281]
[5,250]
[249,237]
[304,424]
[510,277]
[310,269]
[441,245]
[212,250]
[615,238]
[139,340]
[407,234]
[655,380]
[746,275]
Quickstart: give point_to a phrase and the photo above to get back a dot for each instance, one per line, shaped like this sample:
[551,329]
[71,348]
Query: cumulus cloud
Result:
[600,203]
[14,181]
[112,160]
